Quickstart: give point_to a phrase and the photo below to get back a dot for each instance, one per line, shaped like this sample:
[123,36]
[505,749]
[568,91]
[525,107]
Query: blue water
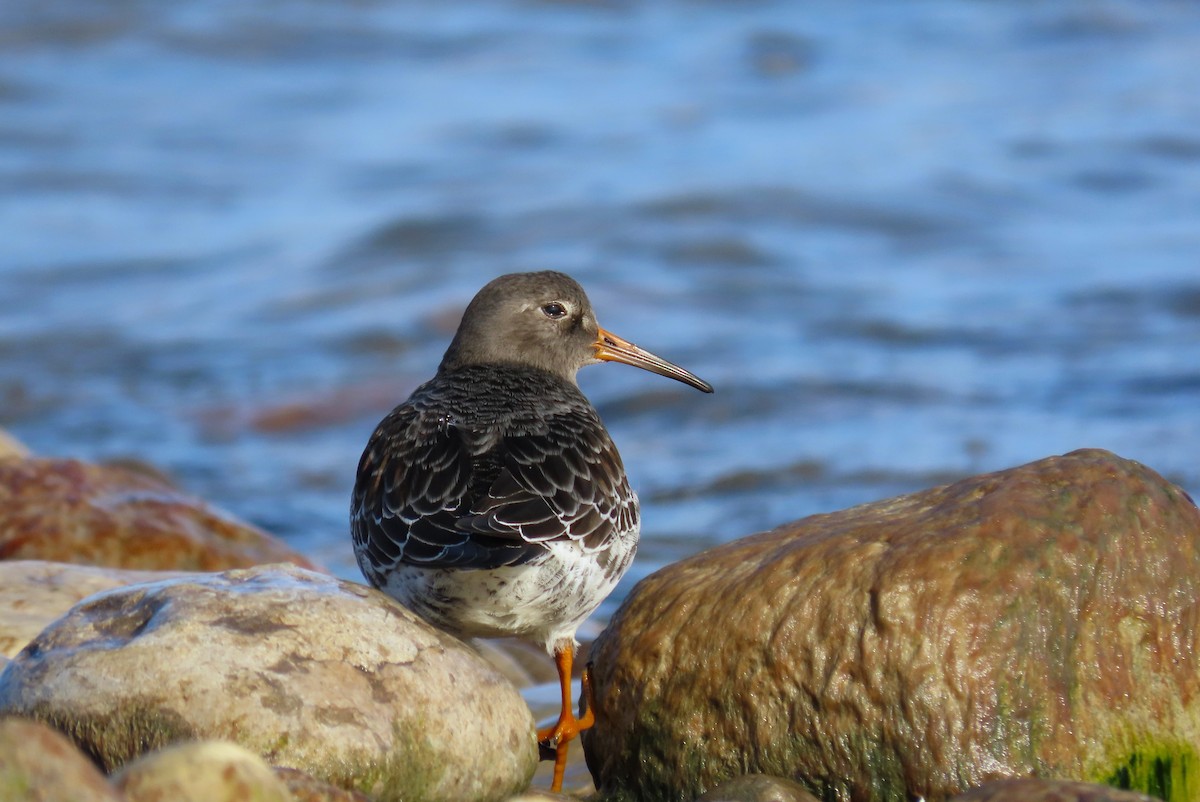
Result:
[906,241]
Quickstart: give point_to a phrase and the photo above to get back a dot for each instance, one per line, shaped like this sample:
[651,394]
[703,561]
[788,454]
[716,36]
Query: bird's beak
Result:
[611,348]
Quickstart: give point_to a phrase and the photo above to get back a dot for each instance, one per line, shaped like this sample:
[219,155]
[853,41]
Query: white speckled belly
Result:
[544,601]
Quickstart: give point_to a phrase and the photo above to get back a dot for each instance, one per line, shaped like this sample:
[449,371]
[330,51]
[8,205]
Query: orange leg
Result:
[568,727]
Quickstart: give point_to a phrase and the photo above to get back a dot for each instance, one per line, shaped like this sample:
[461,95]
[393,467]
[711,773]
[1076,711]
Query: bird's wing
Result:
[432,493]
[413,484]
[560,480]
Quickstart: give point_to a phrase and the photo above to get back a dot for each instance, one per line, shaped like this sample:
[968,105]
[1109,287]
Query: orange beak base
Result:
[611,348]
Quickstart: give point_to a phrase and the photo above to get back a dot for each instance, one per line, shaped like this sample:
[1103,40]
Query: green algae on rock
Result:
[1168,773]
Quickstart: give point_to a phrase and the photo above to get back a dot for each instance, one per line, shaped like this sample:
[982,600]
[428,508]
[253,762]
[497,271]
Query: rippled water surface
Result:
[906,241]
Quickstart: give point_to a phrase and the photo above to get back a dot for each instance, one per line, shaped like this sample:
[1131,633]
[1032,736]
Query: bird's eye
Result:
[554,310]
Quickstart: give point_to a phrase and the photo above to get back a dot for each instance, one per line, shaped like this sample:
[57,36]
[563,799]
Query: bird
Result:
[493,502]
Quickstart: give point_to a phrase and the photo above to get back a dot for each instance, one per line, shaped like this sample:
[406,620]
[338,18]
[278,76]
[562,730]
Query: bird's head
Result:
[545,320]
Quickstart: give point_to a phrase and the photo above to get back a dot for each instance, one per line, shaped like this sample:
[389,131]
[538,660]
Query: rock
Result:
[1039,621]
[38,764]
[11,447]
[541,795]
[306,788]
[308,671]
[521,663]
[34,593]
[1034,790]
[69,511]
[758,788]
[201,771]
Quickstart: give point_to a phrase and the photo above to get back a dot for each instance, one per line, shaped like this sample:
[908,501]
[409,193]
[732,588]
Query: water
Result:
[907,242]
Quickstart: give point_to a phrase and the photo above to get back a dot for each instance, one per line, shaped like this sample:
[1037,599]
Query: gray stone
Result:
[305,670]
[33,593]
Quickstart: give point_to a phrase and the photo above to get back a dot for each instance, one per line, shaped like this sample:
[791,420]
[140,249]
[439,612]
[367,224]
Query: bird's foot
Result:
[568,727]
[555,741]
[564,731]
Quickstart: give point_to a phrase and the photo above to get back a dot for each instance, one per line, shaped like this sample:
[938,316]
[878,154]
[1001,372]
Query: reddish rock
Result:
[306,788]
[314,410]
[201,771]
[1039,621]
[38,764]
[69,511]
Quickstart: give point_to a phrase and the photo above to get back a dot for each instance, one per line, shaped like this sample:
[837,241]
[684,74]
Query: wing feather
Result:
[433,491]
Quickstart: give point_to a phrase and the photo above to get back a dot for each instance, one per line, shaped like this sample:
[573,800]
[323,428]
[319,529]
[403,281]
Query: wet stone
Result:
[65,510]
[1034,790]
[1034,621]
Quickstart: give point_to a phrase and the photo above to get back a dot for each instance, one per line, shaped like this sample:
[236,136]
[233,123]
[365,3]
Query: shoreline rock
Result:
[1035,790]
[201,771]
[308,671]
[65,510]
[39,763]
[33,593]
[1039,621]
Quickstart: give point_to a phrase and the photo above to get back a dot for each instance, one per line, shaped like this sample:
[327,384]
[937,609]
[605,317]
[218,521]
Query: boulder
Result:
[1035,622]
[758,788]
[201,771]
[523,663]
[33,593]
[1035,790]
[306,788]
[65,510]
[543,795]
[305,670]
[38,764]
